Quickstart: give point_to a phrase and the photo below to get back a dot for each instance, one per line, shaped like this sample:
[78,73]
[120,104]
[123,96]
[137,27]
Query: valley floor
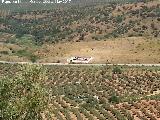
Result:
[133,50]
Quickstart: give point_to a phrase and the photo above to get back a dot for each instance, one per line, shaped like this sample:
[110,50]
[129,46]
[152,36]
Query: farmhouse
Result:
[84,60]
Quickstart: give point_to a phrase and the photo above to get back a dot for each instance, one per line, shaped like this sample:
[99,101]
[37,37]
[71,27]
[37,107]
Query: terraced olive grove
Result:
[79,92]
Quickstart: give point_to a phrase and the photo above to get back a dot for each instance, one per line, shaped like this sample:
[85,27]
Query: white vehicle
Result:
[79,60]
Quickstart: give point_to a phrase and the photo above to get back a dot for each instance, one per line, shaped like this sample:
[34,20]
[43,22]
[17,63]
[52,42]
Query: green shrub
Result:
[29,55]
[117,70]
[114,99]
[22,53]
[33,58]
[119,19]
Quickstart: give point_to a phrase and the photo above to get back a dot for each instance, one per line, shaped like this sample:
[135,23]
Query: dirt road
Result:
[6,62]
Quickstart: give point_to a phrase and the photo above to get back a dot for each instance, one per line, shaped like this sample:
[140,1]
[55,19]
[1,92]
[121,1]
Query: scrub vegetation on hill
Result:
[84,22]
[110,32]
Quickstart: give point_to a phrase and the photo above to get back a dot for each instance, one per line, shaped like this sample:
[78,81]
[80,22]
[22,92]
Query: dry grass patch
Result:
[121,50]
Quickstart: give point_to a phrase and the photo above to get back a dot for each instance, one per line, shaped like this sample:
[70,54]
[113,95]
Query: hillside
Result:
[84,23]
[112,32]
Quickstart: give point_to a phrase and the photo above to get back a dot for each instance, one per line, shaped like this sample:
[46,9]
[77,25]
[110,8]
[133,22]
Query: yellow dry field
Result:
[122,50]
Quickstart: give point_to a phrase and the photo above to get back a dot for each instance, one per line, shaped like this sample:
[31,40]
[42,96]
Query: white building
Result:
[82,60]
